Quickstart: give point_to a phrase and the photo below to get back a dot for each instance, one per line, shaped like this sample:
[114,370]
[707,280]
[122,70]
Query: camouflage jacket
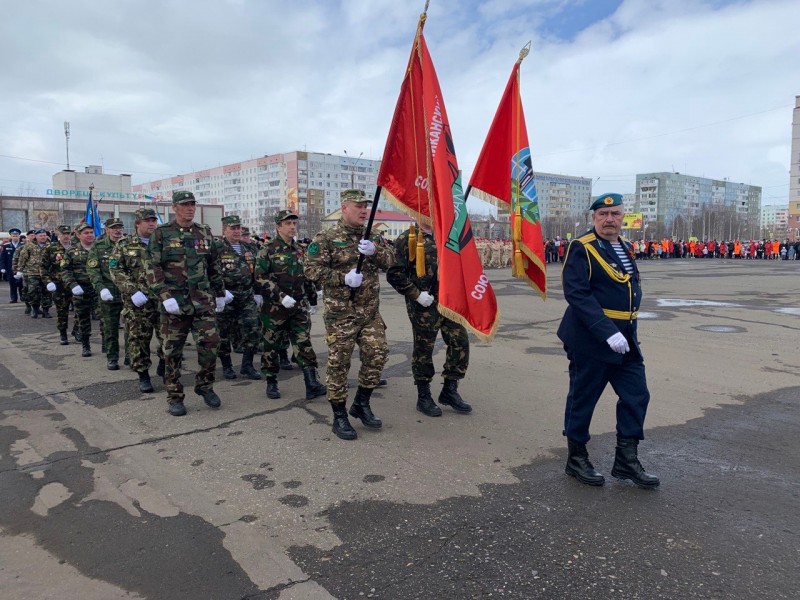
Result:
[332,254]
[98,267]
[127,267]
[54,255]
[183,263]
[237,269]
[280,273]
[30,259]
[16,257]
[402,276]
[74,269]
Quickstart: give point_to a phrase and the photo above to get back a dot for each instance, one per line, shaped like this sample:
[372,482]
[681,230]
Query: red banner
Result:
[503,176]
[420,175]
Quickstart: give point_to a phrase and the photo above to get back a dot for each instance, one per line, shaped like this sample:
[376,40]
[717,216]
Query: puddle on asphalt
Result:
[787,311]
[676,302]
[648,315]
[721,328]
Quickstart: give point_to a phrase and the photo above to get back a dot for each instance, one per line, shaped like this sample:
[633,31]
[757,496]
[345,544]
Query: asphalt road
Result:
[105,496]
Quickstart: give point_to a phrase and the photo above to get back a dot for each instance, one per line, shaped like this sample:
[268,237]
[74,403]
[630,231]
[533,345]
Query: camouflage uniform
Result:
[127,267]
[100,275]
[237,273]
[332,254]
[427,322]
[183,264]
[30,263]
[74,270]
[279,273]
[51,266]
[23,294]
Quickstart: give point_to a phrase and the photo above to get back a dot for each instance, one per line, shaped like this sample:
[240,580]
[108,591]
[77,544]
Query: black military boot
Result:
[283,357]
[87,348]
[145,385]
[161,369]
[227,367]
[127,361]
[46,313]
[27,308]
[383,382]
[313,387]
[63,335]
[176,409]
[35,312]
[361,409]
[76,334]
[247,367]
[627,465]
[341,424]
[579,465]
[94,315]
[113,364]
[272,388]
[450,396]
[209,397]
[425,403]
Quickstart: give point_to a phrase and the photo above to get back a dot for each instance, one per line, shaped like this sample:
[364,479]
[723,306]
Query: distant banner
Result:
[632,221]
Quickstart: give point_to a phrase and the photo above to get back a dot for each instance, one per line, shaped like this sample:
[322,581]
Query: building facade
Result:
[793,220]
[308,183]
[684,206]
[774,221]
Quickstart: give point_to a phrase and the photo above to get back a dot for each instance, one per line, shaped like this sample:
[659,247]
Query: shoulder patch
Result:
[313,248]
[91,263]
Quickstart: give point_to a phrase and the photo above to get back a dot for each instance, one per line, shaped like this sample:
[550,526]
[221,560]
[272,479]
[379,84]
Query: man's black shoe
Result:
[627,465]
[361,409]
[272,388]
[176,409]
[580,467]
[283,358]
[313,387]
[87,348]
[145,385]
[247,367]
[452,398]
[46,313]
[63,337]
[425,403]
[209,397]
[27,309]
[113,364]
[161,368]
[341,424]
[35,313]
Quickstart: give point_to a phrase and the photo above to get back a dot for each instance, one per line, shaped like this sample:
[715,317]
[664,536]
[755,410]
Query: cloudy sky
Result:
[611,88]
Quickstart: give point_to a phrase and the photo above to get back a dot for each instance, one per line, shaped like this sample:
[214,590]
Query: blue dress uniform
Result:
[6,261]
[603,293]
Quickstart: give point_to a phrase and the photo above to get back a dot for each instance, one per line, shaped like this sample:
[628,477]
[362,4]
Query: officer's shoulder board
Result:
[587,238]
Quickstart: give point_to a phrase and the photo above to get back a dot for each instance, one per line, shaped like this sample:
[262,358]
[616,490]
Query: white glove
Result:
[288,302]
[171,306]
[425,299]
[220,304]
[18,275]
[105,295]
[139,299]
[77,291]
[312,310]
[353,279]
[51,287]
[3,271]
[259,300]
[228,297]
[618,343]
[366,247]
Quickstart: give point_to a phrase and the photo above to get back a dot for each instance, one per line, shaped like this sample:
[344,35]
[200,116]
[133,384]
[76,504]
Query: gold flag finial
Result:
[524,52]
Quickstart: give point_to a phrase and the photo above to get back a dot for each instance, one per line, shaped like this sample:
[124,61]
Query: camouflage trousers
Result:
[174,330]
[23,290]
[37,294]
[83,311]
[342,335]
[110,313]
[426,323]
[140,324]
[61,299]
[281,329]
[242,310]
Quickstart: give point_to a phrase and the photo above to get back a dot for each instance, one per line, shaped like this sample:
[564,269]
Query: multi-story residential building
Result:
[307,182]
[774,220]
[689,206]
[562,196]
[793,222]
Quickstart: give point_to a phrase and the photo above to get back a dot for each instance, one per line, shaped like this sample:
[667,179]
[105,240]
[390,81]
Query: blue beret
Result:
[40,230]
[606,200]
[14,230]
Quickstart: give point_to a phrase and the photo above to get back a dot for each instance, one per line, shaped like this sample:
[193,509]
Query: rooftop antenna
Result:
[353,168]
[66,135]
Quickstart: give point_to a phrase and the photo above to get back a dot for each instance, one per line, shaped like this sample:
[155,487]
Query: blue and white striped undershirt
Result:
[622,254]
[237,248]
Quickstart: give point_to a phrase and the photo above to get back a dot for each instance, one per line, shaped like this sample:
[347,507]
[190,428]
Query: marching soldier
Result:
[75,276]
[141,311]
[421,304]
[599,332]
[111,302]
[29,265]
[184,273]
[286,291]
[331,262]
[238,263]
[19,276]
[62,297]
[7,262]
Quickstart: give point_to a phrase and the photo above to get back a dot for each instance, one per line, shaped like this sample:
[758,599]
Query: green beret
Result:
[142,214]
[606,201]
[64,229]
[245,231]
[81,226]
[354,196]
[282,215]
[231,220]
[114,222]
[182,197]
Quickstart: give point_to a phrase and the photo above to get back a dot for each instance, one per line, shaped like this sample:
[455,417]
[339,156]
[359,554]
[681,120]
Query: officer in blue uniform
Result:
[6,259]
[601,285]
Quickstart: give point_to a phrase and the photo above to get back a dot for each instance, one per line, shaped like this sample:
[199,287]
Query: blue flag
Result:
[92,216]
